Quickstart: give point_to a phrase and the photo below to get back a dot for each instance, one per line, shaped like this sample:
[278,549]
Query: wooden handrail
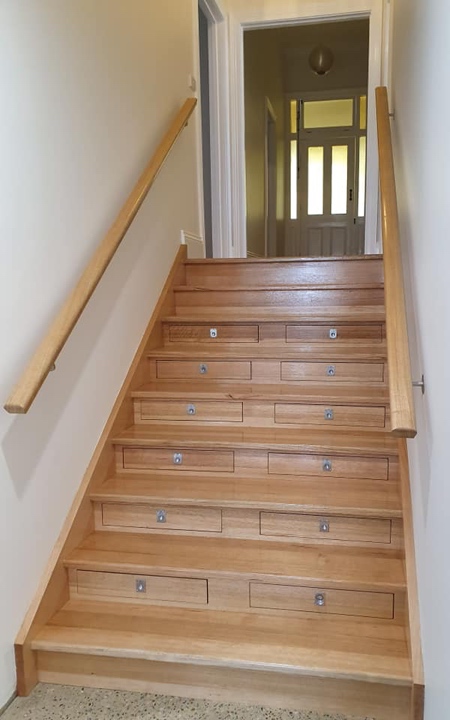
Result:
[45,356]
[403,421]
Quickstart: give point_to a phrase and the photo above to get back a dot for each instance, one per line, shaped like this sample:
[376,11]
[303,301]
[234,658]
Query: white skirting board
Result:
[195,244]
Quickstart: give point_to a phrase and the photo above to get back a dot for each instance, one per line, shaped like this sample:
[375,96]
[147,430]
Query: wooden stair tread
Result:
[276,288]
[357,650]
[335,313]
[346,497]
[273,439]
[350,568]
[284,260]
[350,352]
[305,393]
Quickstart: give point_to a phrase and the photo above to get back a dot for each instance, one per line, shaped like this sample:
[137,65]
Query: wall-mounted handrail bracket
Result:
[420,383]
[43,360]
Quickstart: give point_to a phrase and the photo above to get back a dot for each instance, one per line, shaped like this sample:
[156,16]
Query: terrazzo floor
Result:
[58,702]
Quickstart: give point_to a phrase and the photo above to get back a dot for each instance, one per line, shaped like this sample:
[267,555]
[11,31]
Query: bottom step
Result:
[354,667]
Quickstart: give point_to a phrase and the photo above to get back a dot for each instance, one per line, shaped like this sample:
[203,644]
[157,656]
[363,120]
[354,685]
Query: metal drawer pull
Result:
[213,332]
[329,414]
[324,526]
[319,599]
[203,369]
[141,586]
[177,458]
[331,370]
[191,410]
[332,333]
[161,516]
[327,466]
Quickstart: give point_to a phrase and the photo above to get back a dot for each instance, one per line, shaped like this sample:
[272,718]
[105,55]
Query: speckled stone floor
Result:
[57,702]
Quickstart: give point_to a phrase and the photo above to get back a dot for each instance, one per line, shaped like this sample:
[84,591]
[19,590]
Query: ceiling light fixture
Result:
[321,60]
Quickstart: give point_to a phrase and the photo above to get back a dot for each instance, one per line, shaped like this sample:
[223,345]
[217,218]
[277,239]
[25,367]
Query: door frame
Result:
[278,13]
[270,119]
[219,98]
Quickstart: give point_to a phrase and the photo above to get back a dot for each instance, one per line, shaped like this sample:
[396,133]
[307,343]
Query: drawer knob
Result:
[177,458]
[319,599]
[331,370]
[141,586]
[332,333]
[161,516]
[324,526]
[191,410]
[203,369]
[329,414]
[327,466]
[213,332]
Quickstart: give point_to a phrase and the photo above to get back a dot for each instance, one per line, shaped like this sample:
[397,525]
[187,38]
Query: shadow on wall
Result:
[27,438]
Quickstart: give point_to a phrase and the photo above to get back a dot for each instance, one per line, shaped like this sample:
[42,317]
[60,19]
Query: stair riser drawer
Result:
[329,466]
[136,458]
[161,518]
[330,415]
[333,333]
[322,600]
[209,370]
[321,527]
[332,371]
[213,334]
[140,588]
[194,411]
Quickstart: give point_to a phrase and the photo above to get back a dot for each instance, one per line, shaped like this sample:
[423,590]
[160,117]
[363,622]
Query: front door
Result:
[326,198]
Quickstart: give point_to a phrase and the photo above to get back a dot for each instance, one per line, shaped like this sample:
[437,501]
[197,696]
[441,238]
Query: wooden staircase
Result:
[239,533]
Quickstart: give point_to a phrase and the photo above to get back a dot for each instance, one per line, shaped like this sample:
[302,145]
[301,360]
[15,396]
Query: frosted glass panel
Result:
[315,181]
[293,106]
[293,174]
[363,112]
[328,113]
[362,177]
[339,175]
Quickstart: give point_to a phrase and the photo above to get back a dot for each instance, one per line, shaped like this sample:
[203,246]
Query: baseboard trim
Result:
[9,702]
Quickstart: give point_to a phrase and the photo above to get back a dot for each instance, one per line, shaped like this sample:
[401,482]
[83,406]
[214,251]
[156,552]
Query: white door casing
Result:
[275,13]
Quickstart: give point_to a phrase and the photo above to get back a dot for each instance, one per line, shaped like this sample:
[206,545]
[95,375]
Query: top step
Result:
[269,272]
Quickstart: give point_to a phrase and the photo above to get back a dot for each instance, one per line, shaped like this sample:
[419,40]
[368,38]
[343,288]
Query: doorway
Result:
[319,163]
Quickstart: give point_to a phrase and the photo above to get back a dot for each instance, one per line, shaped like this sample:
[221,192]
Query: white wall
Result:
[87,89]
[421,76]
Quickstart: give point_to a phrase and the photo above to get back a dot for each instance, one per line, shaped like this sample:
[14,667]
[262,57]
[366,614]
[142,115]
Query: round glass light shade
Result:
[321,60]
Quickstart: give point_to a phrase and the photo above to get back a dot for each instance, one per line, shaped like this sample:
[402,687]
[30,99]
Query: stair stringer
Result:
[53,591]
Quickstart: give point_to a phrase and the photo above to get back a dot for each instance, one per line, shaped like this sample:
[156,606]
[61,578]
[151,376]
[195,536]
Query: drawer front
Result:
[214,334]
[156,517]
[340,415]
[195,411]
[142,587]
[332,371]
[209,369]
[321,527]
[135,458]
[333,333]
[310,599]
[357,468]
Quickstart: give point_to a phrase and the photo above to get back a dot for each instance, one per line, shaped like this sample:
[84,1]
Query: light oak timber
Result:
[278,298]
[369,351]
[201,333]
[346,333]
[372,498]
[413,621]
[342,371]
[306,271]
[363,569]
[342,415]
[333,314]
[400,384]
[123,585]
[222,370]
[362,468]
[337,528]
[53,590]
[352,648]
[311,393]
[227,685]
[267,439]
[244,523]
[50,347]
[202,411]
